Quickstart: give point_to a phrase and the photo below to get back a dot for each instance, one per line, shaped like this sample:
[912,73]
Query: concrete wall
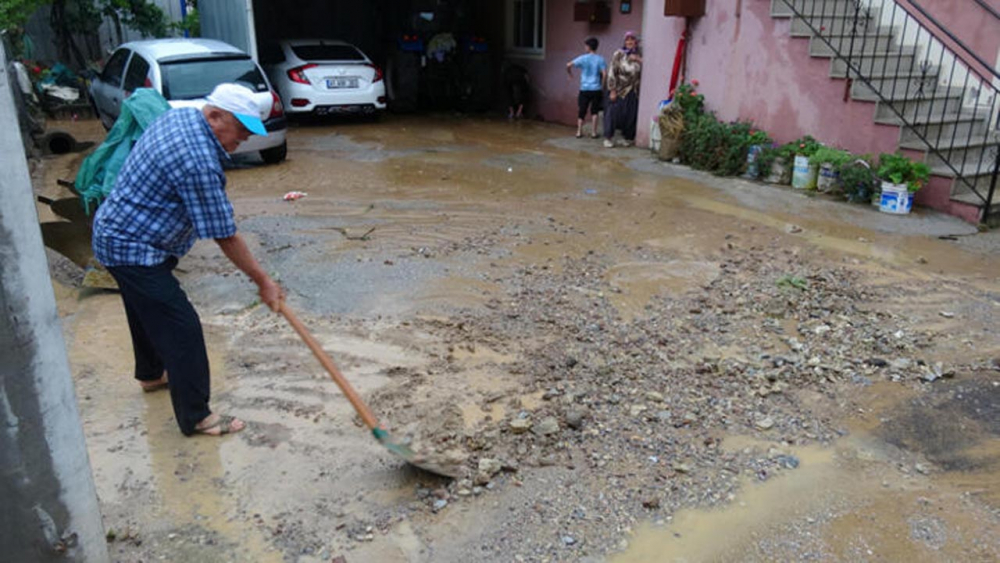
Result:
[48,504]
[554,95]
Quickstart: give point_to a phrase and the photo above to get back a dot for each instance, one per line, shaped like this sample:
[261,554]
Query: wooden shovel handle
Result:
[363,411]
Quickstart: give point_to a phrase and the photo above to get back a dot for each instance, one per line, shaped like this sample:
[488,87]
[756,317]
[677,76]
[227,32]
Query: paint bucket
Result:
[778,173]
[803,175]
[827,180]
[895,199]
[753,171]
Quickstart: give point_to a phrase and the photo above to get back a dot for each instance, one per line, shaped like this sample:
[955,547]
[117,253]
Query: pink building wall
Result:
[749,67]
[554,95]
[970,22]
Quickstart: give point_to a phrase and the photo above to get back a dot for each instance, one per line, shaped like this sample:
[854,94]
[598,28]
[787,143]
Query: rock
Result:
[787,461]
[947,314]
[821,330]
[877,362]
[520,425]
[548,426]
[681,467]
[654,396]
[490,466]
[792,229]
[651,503]
[568,540]
[922,469]
[765,423]
[636,410]
[574,418]
[439,505]
[901,363]
[482,478]
[664,416]
[547,461]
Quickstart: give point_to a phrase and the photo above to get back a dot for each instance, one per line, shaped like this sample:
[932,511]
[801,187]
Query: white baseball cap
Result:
[240,101]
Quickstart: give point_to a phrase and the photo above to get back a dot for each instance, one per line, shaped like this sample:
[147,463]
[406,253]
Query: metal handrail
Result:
[900,64]
[988,8]
[989,67]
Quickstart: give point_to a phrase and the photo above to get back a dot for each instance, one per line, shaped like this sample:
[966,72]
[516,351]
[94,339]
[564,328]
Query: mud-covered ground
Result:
[633,362]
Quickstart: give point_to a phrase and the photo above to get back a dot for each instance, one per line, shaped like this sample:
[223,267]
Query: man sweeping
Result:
[169,192]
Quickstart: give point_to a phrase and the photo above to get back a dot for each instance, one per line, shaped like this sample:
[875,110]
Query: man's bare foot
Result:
[155,385]
[218,425]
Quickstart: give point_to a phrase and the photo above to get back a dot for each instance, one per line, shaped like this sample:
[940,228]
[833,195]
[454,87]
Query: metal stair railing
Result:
[944,81]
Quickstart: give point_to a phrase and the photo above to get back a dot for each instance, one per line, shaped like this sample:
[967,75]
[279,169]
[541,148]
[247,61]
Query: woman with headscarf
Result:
[623,92]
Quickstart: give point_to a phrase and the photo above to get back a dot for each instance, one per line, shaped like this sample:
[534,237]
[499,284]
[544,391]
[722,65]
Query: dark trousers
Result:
[622,114]
[166,335]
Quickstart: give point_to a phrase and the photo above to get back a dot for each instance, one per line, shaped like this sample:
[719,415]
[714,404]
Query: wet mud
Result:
[635,363]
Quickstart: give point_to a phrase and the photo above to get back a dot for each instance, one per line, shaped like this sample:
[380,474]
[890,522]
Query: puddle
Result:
[865,497]
[639,282]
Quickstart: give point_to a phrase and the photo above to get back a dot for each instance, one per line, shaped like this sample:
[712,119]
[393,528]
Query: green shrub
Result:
[805,146]
[720,148]
[857,180]
[766,158]
[689,100]
[830,155]
[899,169]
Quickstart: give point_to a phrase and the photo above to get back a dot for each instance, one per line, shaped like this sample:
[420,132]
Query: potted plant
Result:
[775,163]
[857,180]
[804,174]
[901,178]
[757,140]
[828,160]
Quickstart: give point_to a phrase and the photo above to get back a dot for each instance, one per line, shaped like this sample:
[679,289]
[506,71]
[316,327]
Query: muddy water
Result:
[855,500]
[409,220]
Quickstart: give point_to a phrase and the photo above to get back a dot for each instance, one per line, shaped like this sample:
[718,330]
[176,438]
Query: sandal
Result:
[225,425]
[579,135]
[155,385]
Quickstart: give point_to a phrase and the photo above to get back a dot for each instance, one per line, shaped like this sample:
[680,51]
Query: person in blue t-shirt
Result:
[592,74]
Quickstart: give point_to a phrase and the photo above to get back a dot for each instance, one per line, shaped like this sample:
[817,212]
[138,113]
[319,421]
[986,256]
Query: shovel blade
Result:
[437,464]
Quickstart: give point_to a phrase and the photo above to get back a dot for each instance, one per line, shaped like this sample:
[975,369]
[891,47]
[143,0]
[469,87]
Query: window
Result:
[271,53]
[136,77]
[313,53]
[526,27]
[190,80]
[112,73]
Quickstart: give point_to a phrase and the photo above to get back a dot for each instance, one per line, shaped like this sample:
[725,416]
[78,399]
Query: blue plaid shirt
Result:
[170,191]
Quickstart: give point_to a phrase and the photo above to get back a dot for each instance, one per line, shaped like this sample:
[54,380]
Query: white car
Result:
[185,71]
[321,77]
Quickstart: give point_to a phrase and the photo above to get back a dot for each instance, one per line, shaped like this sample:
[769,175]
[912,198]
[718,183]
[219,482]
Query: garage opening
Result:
[432,54]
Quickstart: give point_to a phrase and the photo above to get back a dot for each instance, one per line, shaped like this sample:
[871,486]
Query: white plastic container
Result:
[827,180]
[803,175]
[895,199]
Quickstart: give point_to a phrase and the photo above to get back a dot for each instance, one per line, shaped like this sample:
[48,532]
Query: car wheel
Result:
[274,155]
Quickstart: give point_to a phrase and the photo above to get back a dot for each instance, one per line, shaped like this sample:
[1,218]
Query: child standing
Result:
[592,74]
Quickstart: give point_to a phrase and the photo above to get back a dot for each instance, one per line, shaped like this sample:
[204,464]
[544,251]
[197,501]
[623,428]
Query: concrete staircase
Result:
[903,84]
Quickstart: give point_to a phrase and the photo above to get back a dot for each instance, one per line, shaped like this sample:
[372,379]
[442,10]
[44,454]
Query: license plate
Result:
[342,82]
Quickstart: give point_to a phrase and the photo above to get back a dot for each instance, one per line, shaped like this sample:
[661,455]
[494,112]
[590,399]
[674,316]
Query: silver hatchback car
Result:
[323,76]
[185,71]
